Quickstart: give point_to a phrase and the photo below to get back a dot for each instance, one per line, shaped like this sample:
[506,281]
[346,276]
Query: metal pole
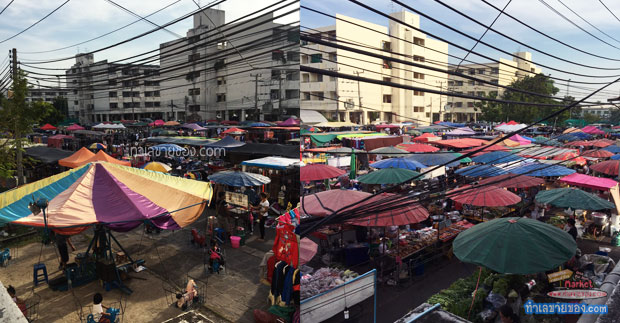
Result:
[280,94]
[18,134]
[359,96]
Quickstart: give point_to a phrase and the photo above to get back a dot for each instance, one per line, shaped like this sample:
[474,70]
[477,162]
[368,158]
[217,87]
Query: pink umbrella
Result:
[158,122]
[327,202]
[317,172]
[74,127]
[520,140]
[592,130]
[289,122]
[307,250]
[403,213]
[488,195]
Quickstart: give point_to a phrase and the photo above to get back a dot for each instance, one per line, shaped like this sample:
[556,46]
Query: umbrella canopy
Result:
[515,246]
[487,195]
[615,157]
[318,172]
[402,213]
[74,127]
[583,180]
[592,130]
[609,167]
[388,176]
[193,126]
[425,137]
[102,156]
[290,122]
[597,153]
[535,169]
[167,147]
[158,123]
[405,163]
[79,158]
[418,148]
[481,171]
[389,151]
[259,124]
[307,250]
[486,149]
[157,167]
[233,130]
[48,127]
[510,127]
[435,159]
[102,193]
[571,130]
[572,156]
[520,140]
[328,202]
[613,148]
[601,143]
[229,122]
[513,181]
[573,198]
[239,179]
[97,145]
[171,123]
[496,157]
[226,142]
[465,131]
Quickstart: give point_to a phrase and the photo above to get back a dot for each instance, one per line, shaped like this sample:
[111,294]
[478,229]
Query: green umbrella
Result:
[353,166]
[463,160]
[515,246]
[388,176]
[573,198]
[389,151]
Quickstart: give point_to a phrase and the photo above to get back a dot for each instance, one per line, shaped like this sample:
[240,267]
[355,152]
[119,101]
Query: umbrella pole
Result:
[473,299]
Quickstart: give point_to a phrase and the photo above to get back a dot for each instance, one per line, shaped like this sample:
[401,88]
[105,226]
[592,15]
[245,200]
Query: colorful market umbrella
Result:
[573,198]
[327,202]
[403,213]
[74,127]
[102,193]
[435,159]
[102,156]
[601,143]
[97,145]
[405,163]
[48,127]
[158,123]
[613,148]
[615,157]
[496,157]
[481,171]
[592,130]
[609,167]
[425,137]
[318,172]
[157,167]
[542,170]
[388,176]
[233,130]
[193,126]
[513,181]
[417,148]
[239,179]
[515,246]
[597,153]
[487,195]
[572,156]
[389,151]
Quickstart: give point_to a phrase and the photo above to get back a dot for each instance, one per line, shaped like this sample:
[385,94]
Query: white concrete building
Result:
[504,73]
[603,111]
[339,99]
[47,94]
[102,91]
[247,70]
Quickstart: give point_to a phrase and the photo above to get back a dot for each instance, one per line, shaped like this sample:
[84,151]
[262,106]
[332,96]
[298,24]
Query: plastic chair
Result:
[36,275]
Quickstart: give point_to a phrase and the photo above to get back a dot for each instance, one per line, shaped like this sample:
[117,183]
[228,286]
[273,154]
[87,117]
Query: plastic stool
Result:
[219,232]
[36,275]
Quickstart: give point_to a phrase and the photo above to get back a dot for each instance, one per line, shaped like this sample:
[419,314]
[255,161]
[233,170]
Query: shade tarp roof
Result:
[335,124]
[425,137]
[311,117]
[592,130]
[289,122]
[48,126]
[487,195]
[401,162]
[273,162]
[388,176]
[47,155]
[89,132]
[403,213]
[496,157]
[180,141]
[361,135]
[520,140]
[461,143]
[481,171]
[322,139]
[543,152]
[239,179]
[193,126]
[291,151]
[465,131]
[226,142]
[433,159]
[510,127]
[541,170]
[588,181]
[77,159]
[102,156]
[74,127]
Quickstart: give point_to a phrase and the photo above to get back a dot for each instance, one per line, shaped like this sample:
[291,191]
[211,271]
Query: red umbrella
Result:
[602,143]
[512,181]
[418,148]
[609,167]
[597,153]
[573,156]
[307,250]
[402,213]
[317,172]
[578,143]
[327,202]
[48,126]
[231,130]
[74,127]
[486,149]
[488,195]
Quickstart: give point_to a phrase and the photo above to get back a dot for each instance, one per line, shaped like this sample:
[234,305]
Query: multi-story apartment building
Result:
[502,73]
[364,102]
[102,91]
[248,70]
[47,94]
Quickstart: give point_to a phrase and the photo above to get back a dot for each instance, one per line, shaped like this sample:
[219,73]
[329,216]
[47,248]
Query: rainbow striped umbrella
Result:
[119,197]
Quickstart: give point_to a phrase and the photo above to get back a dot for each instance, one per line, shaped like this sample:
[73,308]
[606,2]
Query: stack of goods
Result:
[323,280]
[452,231]
[416,241]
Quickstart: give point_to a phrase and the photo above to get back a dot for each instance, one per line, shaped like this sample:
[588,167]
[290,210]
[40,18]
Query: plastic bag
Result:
[496,300]
[487,315]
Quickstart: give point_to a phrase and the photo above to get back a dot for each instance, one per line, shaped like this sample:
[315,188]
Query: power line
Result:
[601,1]
[23,31]
[6,6]
[586,21]
[142,18]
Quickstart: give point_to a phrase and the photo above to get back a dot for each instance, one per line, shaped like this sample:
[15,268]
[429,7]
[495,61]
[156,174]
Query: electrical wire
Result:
[142,18]
[8,4]
[34,24]
[601,1]
[586,21]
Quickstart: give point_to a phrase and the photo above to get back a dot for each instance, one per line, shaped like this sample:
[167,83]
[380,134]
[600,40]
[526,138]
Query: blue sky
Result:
[532,12]
[81,20]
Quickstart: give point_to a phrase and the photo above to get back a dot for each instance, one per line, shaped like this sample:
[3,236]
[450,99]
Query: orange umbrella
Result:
[102,156]
[78,159]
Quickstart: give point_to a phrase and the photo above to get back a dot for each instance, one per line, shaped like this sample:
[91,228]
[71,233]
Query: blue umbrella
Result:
[536,169]
[581,135]
[613,148]
[528,138]
[259,124]
[245,179]
[435,159]
[496,157]
[168,147]
[481,171]
[405,163]
[615,157]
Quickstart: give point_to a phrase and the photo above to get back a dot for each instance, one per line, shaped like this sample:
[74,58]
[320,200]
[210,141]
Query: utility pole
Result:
[440,102]
[359,95]
[280,94]
[257,114]
[133,111]
[186,101]
[171,109]
[18,134]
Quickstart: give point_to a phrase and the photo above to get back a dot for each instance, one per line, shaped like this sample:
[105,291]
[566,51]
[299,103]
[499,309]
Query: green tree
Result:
[614,116]
[591,118]
[53,113]
[16,119]
[524,112]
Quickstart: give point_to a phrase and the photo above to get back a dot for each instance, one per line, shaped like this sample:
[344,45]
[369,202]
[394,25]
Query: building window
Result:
[417,58]
[193,39]
[333,57]
[418,41]
[495,81]
[472,93]
[450,83]
[75,103]
[304,59]
[470,104]
[471,82]
[156,103]
[194,108]
[274,94]
[275,74]
[305,78]
[481,93]
[418,93]
[148,94]
[221,81]
[317,78]
[458,83]
[126,105]
[112,94]
[135,83]
[195,91]
[493,94]
[292,76]
[126,83]
[151,83]
[417,75]
[460,71]
[112,70]
[319,96]
[148,104]
[481,71]
[110,82]
[292,56]
[458,104]
[156,93]
[386,46]
[387,98]
[113,105]
[277,55]
[291,94]
[418,109]
[220,97]
[387,64]
[126,94]
[472,71]
[306,96]
[192,75]
[387,79]
[316,58]
[193,57]
[495,70]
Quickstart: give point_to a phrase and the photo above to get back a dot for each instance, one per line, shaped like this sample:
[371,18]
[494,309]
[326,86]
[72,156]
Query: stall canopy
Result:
[102,193]
[522,141]
[327,202]
[405,163]
[435,159]
[389,151]
[226,142]
[583,180]
[239,179]
[193,126]
[77,159]
[543,152]
[318,172]
[48,127]
[542,170]
[573,198]
[597,153]
[262,149]
[609,167]
[486,149]
[426,137]
[273,162]
[417,148]
[181,141]
[465,131]
[289,122]
[89,133]
[461,143]
[513,181]
[484,195]
[157,167]
[47,155]
[510,127]
[323,139]
[167,147]
[496,157]
[481,171]
[613,148]
[233,131]
[102,156]
[171,123]
[388,176]
[402,213]
[592,130]
[74,127]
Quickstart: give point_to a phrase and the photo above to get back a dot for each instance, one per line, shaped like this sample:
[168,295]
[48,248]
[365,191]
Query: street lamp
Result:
[36,208]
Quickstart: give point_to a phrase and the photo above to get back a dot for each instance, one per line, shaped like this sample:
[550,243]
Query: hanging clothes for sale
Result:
[285,246]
